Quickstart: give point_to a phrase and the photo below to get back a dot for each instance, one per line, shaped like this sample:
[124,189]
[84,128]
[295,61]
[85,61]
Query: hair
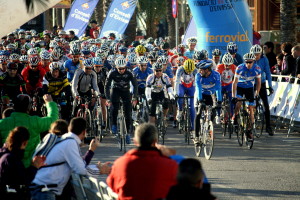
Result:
[22,103]
[280,56]
[7,112]
[59,127]
[145,134]
[190,172]
[16,138]
[72,32]
[296,48]
[270,44]
[287,47]
[77,125]
[96,31]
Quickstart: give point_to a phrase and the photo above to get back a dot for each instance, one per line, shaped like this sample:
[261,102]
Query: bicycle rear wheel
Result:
[88,118]
[239,129]
[259,121]
[198,146]
[188,126]
[208,139]
[97,125]
[249,139]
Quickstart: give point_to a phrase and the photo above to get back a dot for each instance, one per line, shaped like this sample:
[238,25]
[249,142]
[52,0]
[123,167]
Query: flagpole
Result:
[176,32]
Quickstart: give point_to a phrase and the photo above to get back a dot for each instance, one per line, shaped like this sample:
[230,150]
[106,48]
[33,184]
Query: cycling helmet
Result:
[165,45]
[157,42]
[216,52]
[149,47]
[53,44]
[24,58]
[75,51]
[91,41]
[12,65]
[10,47]
[135,43]
[120,62]
[131,50]
[227,59]
[34,60]
[45,55]
[33,32]
[97,41]
[100,54]
[249,56]
[3,59]
[4,53]
[189,66]
[88,62]
[104,47]
[123,49]
[27,46]
[94,48]
[54,66]
[85,51]
[201,55]
[142,60]
[97,61]
[256,49]
[204,64]
[55,55]
[32,52]
[161,52]
[157,66]
[85,44]
[143,42]
[140,49]
[180,59]
[152,55]
[192,40]
[131,58]
[150,40]
[14,56]
[163,60]
[232,47]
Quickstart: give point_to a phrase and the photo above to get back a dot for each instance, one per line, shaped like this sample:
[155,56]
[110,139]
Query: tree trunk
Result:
[59,16]
[48,19]
[99,13]
[106,5]
[288,19]
[171,24]
[130,31]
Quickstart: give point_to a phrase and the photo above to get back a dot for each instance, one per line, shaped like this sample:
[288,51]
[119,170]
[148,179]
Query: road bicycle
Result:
[122,129]
[259,116]
[226,124]
[206,133]
[97,120]
[160,122]
[84,112]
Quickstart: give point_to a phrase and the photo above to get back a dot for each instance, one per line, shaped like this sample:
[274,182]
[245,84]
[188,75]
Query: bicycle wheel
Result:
[120,136]
[259,121]
[123,134]
[88,118]
[97,118]
[188,126]
[249,140]
[208,139]
[225,118]
[80,113]
[239,129]
[198,146]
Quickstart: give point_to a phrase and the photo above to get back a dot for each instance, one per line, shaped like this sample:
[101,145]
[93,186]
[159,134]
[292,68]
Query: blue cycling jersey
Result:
[189,54]
[169,71]
[141,77]
[208,85]
[107,65]
[246,77]
[263,63]
[71,67]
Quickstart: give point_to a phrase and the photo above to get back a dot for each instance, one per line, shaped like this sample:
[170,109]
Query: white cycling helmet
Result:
[227,59]
[192,40]
[249,56]
[163,60]
[54,66]
[120,62]
[142,60]
[256,49]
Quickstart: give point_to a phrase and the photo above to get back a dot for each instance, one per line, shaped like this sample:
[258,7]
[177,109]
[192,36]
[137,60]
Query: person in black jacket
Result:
[13,175]
[190,178]
[296,55]
[269,52]
[288,65]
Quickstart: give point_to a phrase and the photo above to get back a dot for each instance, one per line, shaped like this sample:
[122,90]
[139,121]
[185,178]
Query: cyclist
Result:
[216,53]
[185,84]
[73,64]
[45,60]
[192,42]
[167,68]
[121,78]
[208,83]
[203,55]
[140,50]
[11,84]
[227,71]
[232,49]
[263,62]
[33,75]
[101,73]
[243,84]
[157,85]
[83,82]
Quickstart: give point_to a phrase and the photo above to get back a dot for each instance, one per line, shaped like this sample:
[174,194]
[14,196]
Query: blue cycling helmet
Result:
[204,64]
[88,62]
[123,49]
[85,51]
[161,53]
[232,47]
[97,61]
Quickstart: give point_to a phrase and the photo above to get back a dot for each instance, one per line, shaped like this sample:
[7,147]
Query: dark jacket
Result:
[272,59]
[289,69]
[183,192]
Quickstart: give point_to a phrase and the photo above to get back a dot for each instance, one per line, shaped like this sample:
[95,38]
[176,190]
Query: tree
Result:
[288,19]
[30,4]
[99,13]
[130,31]
[171,23]
[106,4]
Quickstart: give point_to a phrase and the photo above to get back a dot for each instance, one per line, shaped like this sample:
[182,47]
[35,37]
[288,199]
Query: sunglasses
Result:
[158,70]
[121,68]
[249,62]
[88,68]
[13,69]
[144,65]
[33,66]
[98,66]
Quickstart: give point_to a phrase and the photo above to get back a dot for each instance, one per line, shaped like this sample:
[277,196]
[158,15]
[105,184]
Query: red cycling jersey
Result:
[226,75]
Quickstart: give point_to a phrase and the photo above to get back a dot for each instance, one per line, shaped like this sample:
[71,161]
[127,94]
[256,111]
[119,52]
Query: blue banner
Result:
[79,16]
[221,21]
[118,17]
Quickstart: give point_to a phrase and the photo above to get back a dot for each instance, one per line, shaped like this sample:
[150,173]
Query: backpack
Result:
[45,146]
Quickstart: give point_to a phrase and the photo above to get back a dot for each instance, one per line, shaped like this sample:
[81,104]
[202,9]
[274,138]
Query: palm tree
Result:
[30,4]
[171,23]
[106,4]
[288,21]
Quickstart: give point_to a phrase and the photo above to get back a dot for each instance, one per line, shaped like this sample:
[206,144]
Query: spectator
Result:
[95,34]
[12,171]
[59,127]
[143,173]
[288,64]
[7,112]
[93,28]
[190,178]
[67,154]
[269,52]
[296,55]
[276,69]
[72,36]
[35,124]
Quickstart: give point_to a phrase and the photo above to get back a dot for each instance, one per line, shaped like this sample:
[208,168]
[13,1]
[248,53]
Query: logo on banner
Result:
[85,6]
[125,5]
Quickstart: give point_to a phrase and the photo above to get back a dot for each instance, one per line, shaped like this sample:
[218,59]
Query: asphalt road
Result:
[270,170]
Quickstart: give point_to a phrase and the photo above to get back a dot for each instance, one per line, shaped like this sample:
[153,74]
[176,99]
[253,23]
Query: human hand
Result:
[104,168]
[108,103]
[94,144]
[165,150]
[38,161]
[134,102]
[47,98]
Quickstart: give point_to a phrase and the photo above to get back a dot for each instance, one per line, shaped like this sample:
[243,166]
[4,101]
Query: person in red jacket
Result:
[33,75]
[143,173]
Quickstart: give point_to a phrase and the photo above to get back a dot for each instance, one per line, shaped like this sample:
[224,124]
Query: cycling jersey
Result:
[226,75]
[141,77]
[189,54]
[33,79]
[169,71]
[101,77]
[263,63]
[10,86]
[156,85]
[83,82]
[121,82]
[71,67]
[237,60]
[107,65]
[55,85]
[208,85]
[182,78]
[246,77]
